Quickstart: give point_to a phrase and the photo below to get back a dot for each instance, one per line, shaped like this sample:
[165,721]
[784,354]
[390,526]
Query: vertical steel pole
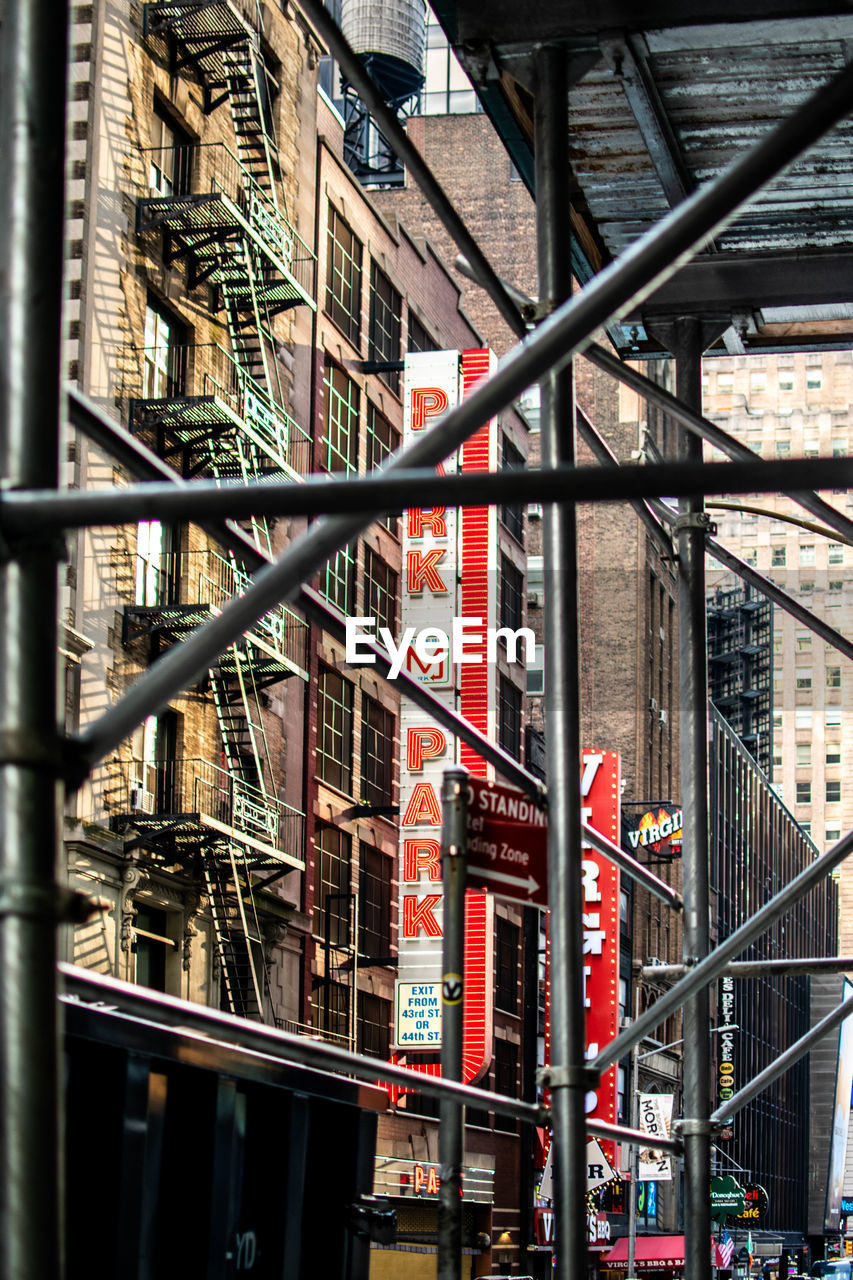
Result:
[562,699]
[454,797]
[693,676]
[32,137]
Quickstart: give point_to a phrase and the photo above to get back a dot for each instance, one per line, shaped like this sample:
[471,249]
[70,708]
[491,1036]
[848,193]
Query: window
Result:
[833,753]
[341,409]
[164,349]
[374,1025]
[382,439]
[835,553]
[833,677]
[507,951]
[536,672]
[803,718]
[512,595]
[338,581]
[343,277]
[386,312]
[835,586]
[334,730]
[807,553]
[758,381]
[814,379]
[786,380]
[833,716]
[374,906]
[419,339]
[153,947]
[750,555]
[804,753]
[839,447]
[332,863]
[804,677]
[506,1079]
[804,793]
[804,641]
[330,1010]
[806,588]
[783,448]
[833,791]
[170,156]
[833,834]
[725,383]
[377,752]
[509,717]
[447,89]
[512,515]
[380,591]
[777,557]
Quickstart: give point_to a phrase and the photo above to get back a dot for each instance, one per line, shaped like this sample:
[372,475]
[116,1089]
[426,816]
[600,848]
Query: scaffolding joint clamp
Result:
[47,902]
[695,520]
[695,1128]
[584,1077]
[30,749]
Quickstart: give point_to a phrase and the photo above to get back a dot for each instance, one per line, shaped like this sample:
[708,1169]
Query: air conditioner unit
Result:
[141,801]
[536,598]
[534,511]
[654,960]
[663,717]
[653,704]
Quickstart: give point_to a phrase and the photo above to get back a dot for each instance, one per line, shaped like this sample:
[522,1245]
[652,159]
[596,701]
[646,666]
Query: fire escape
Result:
[222,213]
[740,665]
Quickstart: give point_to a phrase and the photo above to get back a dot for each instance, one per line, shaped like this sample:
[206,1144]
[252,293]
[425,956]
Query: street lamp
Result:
[636,1058]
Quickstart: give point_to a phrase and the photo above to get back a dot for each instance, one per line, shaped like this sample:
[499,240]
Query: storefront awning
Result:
[651,1253]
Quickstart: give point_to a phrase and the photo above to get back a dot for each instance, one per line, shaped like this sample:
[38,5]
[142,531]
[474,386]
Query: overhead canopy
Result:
[651,1253]
[665,95]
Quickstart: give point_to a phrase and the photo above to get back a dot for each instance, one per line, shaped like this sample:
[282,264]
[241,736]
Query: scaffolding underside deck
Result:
[688,91]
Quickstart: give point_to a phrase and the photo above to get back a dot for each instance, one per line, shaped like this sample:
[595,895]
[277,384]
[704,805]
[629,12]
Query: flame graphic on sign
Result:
[652,819]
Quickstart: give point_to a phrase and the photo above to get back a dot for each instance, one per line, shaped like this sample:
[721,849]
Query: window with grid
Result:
[332,862]
[330,1010]
[382,440]
[833,753]
[377,752]
[374,905]
[340,426]
[512,595]
[386,314]
[337,583]
[777,557]
[509,717]
[507,945]
[380,591]
[833,677]
[835,554]
[804,793]
[343,276]
[833,791]
[512,514]
[419,338]
[506,1079]
[374,1025]
[334,730]
[169,167]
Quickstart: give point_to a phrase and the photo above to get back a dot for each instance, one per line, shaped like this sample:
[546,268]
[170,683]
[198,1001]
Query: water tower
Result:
[390,37]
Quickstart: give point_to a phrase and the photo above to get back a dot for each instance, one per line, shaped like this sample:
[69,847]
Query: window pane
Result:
[341,412]
[380,591]
[512,515]
[386,311]
[332,860]
[509,712]
[334,730]
[507,954]
[377,753]
[374,905]
[343,276]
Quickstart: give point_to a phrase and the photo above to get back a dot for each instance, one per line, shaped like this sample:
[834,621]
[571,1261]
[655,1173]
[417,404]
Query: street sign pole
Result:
[454,797]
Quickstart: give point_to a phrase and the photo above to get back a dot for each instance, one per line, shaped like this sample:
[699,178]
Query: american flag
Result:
[725,1249]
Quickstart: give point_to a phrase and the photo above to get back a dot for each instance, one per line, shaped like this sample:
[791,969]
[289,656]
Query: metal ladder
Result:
[243,974]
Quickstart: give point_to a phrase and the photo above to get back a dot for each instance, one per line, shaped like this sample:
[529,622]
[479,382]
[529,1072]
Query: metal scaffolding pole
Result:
[32,137]
[562,695]
[687,345]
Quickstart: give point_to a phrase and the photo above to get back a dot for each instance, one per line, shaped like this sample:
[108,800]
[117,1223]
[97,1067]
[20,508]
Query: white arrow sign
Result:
[527,885]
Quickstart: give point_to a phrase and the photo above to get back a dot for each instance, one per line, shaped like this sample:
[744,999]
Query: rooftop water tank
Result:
[390,36]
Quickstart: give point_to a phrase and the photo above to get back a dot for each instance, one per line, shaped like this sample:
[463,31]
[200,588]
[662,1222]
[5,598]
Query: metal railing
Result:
[207,578]
[180,177]
[124,788]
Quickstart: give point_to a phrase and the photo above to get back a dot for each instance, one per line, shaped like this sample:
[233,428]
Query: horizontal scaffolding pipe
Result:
[641,874]
[781,1064]
[378,494]
[712,965]
[646,265]
[144,464]
[714,434]
[759,968]
[107,992]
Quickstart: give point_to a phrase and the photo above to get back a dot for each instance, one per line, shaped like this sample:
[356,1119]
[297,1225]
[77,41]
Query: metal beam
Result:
[760,968]
[746,282]
[627,57]
[631,867]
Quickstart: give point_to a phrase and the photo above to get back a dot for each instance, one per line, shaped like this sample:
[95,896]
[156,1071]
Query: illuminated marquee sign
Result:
[450,575]
[657,832]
